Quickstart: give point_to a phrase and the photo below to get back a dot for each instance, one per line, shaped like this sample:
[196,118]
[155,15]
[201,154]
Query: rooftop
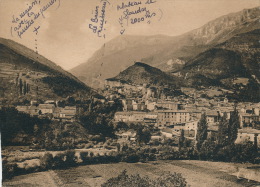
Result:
[249,131]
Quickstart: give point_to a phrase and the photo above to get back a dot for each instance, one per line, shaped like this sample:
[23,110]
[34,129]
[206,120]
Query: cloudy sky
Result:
[64,36]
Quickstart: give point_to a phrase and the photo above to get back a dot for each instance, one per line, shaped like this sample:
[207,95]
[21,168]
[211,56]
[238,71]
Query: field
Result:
[197,173]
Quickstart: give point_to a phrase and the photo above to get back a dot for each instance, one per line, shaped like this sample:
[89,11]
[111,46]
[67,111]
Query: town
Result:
[150,107]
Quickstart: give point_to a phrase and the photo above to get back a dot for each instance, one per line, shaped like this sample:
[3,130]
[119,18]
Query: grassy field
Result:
[197,173]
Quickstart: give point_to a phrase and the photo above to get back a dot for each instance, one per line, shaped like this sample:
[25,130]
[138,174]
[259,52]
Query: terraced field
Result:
[197,173]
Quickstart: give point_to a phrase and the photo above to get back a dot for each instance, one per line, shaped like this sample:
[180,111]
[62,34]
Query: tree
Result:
[20,86]
[208,150]
[24,88]
[46,162]
[223,131]
[146,135]
[202,131]
[233,126]
[181,140]
[143,135]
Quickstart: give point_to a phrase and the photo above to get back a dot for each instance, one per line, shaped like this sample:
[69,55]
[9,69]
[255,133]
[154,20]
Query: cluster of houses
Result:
[51,110]
[171,114]
[172,119]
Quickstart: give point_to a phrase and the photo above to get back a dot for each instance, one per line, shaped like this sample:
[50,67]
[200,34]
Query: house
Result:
[135,116]
[127,136]
[212,116]
[191,125]
[46,108]
[167,132]
[170,117]
[49,102]
[246,118]
[150,118]
[168,105]
[156,138]
[68,113]
[248,134]
[150,105]
[34,111]
[212,132]
[24,109]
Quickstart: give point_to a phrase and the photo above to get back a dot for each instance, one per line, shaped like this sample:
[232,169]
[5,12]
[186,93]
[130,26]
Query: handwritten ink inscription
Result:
[98,20]
[135,12]
[28,17]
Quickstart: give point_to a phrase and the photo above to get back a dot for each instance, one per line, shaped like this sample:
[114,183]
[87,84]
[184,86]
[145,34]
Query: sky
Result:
[64,30]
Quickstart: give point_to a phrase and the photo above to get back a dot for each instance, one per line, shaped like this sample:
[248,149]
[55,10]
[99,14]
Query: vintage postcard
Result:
[130,93]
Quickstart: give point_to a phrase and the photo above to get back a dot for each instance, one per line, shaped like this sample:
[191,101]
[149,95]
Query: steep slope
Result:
[165,52]
[141,73]
[234,64]
[237,57]
[26,75]
[212,66]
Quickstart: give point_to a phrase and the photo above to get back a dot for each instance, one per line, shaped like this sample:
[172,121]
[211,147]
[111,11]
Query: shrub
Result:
[170,180]
[125,180]
[84,156]
[91,154]
[59,160]
[166,180]
[130,158]
[9,170]
[208,150]
[70,158]
[46,162]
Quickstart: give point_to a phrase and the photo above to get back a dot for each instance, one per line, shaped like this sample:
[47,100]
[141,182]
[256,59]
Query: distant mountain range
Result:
[238,57]
[235,59]
[168,53]
[26,75]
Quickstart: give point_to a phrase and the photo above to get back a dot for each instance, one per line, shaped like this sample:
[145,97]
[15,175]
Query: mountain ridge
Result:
[141,73]
[164,52]
[23,77]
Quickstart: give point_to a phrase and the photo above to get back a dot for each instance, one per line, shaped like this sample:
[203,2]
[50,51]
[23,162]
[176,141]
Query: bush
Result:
[125,180]
[130,158]
[170,180]
[208,150]
[9,170]
[70,158]
[166,180]
[46,162]
[84,156]
[58,161]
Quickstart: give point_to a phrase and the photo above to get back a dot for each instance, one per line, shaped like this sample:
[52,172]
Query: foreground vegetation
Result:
[166,180]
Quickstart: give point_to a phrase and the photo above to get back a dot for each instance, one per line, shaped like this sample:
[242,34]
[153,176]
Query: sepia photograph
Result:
[130,93]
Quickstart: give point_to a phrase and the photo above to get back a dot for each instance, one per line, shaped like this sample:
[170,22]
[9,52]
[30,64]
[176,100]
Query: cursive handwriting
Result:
[95,19]
[98,22]
[128,5]
[29,8]
[29,16]
[134,12]
[47,6]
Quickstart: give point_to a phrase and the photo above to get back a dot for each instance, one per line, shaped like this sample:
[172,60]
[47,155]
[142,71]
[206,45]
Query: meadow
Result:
[197,173]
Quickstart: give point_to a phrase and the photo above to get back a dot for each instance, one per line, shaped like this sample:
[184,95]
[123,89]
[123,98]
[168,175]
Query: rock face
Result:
[25,75]
[164,52]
